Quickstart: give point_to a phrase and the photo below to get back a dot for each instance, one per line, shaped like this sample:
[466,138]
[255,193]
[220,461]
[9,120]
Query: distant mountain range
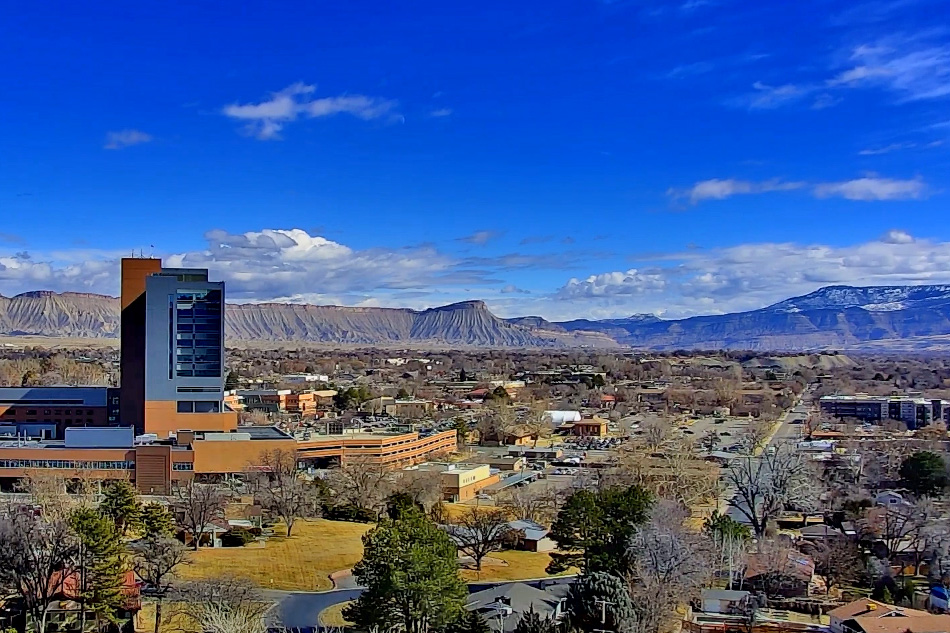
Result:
[836,317]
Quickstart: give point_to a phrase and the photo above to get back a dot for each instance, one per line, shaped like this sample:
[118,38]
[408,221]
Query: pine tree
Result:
[469,622]
[601,601]
[120,504]
[532,622]
[156,521]
[99,565]
[410,571]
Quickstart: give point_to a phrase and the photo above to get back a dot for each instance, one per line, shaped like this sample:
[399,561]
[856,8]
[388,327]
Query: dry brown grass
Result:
[333,616]
[521,566]
[302,563]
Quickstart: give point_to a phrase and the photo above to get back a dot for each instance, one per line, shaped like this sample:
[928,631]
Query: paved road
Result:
[301,610]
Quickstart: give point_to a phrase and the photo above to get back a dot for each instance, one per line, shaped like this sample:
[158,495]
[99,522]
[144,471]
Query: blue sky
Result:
[568,159]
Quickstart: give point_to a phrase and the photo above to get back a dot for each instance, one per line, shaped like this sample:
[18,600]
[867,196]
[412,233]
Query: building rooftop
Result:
[91,396]
[264,433]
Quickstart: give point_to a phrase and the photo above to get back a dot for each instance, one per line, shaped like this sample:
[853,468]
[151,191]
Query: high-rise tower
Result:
[172,350]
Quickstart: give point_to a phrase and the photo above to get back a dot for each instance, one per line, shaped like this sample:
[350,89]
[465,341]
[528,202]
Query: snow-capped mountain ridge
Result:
[871,298]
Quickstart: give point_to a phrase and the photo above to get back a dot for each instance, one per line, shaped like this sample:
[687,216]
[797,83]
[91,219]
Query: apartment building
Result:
[915,412]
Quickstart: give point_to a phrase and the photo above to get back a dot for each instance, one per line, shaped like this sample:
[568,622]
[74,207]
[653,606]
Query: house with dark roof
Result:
[502,607]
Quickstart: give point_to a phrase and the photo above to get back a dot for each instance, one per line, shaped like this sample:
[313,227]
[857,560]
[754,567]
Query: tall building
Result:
[172,350]
[173,387]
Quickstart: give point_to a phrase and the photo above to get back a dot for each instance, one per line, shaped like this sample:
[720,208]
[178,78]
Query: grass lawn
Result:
[172,621]
[302,562]
[521,566]
[333,616]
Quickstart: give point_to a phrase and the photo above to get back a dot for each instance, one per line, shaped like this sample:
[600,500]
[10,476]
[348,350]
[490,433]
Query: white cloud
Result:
[481,237]
[265,120]
[126,138]
[886,149]
[441,113]
[279,263]
[750,276]
[915,67]
[873,188]
[767,97]
[720,189]
[896,236]
[867,188]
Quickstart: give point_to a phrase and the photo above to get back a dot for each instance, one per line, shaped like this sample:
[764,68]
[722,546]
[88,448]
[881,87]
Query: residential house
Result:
[502,607]
[871,616]
[723,600]
[785,573]
[531,536]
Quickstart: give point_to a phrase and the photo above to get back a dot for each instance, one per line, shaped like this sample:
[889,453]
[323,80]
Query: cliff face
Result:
[836,317]
[467,323]
[70,314]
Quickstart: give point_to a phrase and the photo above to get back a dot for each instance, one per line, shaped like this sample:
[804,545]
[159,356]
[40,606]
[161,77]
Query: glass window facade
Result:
[66,464]
[195,349]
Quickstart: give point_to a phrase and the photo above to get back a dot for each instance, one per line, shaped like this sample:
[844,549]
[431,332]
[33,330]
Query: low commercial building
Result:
[461,482]
[48,411]
[304,378]
[409,408]
[279,401]
[588,427]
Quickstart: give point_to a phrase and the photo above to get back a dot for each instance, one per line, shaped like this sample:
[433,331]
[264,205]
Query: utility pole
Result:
[603,613]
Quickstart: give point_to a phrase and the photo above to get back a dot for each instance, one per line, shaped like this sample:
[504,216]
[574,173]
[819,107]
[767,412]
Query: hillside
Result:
[468,323]
[836,317]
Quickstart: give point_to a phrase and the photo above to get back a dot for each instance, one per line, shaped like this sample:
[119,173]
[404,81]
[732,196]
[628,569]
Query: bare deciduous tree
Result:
[197,506]
[361,482]
[479,532]
[668,563]
[36,557]
[282,493]
[837,561]
[764,485]
[154,560]
[535,503]
[225,605]
[424,486]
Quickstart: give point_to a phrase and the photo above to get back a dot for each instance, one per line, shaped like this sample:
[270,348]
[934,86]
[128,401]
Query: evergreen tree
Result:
[461,432]
[400,503]
[724,526]
[469,622]
[156,521]
[410,571]
[532,622]
[924,473]
[99,565]
[601,601]
[120,504]
[598,526]
[232,381]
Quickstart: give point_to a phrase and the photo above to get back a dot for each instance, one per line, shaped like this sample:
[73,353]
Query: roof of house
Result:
[519,597]
[899,622]
[723,594]
[861,607]
[532,531]
[820,531]
[798,566]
